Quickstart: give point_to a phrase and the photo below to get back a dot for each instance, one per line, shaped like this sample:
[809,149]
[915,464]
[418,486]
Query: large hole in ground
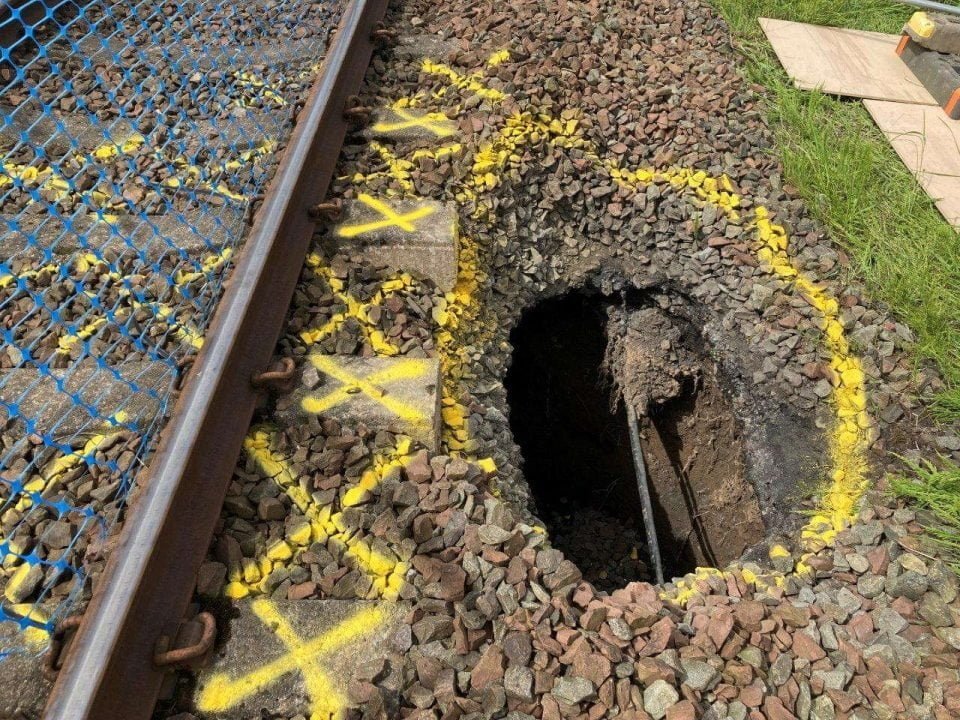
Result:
[577,455]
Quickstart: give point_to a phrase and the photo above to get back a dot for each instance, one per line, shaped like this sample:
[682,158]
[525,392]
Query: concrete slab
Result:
[402,394]
[199,234]
[295,658]
[23,689]
[28,120]
[415,236]
[423,46]
[404,124]
[239,130]
[55,411]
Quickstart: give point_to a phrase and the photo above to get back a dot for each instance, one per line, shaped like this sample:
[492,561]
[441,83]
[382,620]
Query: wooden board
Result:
[854,63]
[928,142]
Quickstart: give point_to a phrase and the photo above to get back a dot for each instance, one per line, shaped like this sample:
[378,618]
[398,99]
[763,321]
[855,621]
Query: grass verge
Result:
[936,489]
[901,248]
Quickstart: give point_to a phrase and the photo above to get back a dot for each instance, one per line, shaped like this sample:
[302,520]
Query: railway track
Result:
[139,144]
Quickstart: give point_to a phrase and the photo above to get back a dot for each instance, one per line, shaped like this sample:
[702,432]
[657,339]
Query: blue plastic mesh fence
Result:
[135,137]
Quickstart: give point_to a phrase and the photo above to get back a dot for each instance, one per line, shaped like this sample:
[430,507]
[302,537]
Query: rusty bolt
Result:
[330,210]
[355,112]
[279,380]
[295,111]
[252,207]
[164,657]
[383,34]
[53,661]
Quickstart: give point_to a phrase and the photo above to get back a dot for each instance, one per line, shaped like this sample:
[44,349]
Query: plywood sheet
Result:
[928,142]
[854,63]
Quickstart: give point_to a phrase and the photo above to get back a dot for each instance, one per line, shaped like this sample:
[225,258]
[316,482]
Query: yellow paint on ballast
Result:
[849,438]
[498,58]
[385,573]
[209,265]
[471,83]
[359,311]
[57,468]
[400,169]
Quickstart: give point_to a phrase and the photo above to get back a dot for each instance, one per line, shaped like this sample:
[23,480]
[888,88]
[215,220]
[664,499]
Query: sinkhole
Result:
[576,358]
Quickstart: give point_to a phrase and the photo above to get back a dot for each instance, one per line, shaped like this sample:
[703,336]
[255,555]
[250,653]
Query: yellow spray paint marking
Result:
[184,331]
[519,130]
[110,151]
[210,264]
[18,578]
[253,88]
[386,573]
[472,83]
[462,310]
[400,169]
[849,438]
[36,638]
[7,280]
[498,58]
[389,218]
[46,178]
[303,656]
[435,123]
[369,386]
[200,178]
[922,25]
[356,310]
[67,342]
[80,263]
[715,191]
[55,470]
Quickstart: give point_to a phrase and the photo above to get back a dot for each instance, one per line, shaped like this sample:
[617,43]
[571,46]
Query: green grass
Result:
[936,489]
[901,248]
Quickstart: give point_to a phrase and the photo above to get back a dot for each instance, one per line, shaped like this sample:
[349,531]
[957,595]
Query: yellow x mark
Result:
[390,218]
[304,656]
[436,123]
[370,386]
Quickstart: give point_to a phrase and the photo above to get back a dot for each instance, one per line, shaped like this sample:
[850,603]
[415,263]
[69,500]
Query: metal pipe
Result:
[643,485]
[643,481]
[931,5]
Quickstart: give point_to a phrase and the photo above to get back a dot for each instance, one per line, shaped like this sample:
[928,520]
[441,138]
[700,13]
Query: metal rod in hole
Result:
[931,5]
[643,485]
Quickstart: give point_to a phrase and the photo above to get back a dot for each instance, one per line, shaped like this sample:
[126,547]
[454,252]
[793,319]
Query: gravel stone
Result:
[573,690]
[658,698]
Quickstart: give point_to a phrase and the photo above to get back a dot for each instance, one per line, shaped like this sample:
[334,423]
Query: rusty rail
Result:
[109,671]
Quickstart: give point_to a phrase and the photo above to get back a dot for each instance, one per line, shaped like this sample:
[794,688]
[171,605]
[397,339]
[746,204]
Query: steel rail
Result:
[109,672]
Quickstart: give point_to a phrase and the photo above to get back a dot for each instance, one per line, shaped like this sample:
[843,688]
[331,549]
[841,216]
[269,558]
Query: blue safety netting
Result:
[135,138]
